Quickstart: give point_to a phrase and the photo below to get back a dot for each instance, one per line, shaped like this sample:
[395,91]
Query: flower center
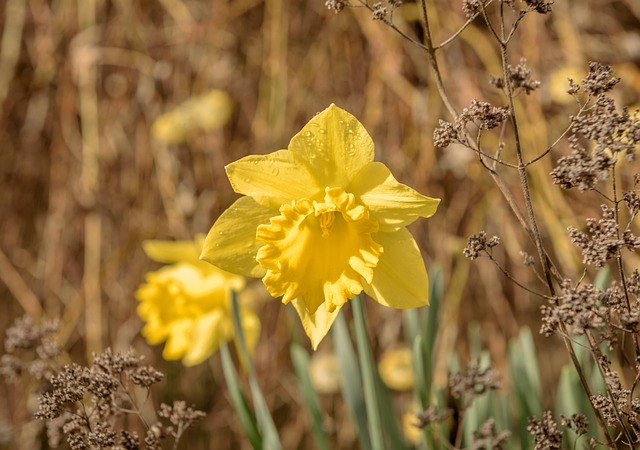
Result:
[319,251]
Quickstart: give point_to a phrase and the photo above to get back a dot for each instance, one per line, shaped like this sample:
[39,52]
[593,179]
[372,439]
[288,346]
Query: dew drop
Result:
[307,133]
[247,180]
[350,131]
[322,131]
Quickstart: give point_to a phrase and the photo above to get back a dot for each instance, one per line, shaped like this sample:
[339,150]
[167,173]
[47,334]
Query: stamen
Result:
[326,222]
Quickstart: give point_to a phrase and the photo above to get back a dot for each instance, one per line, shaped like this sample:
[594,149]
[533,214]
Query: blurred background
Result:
[86,176]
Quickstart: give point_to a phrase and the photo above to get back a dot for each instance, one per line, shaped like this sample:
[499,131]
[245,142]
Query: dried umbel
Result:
[478,243]
[107,387]
[466,384]
[432,415]
[578,308]
[484,115]
[546,433]
[30,348]
[488,437]
[335,5]
[602,241]
[582,169]
[519,77]
[599,80]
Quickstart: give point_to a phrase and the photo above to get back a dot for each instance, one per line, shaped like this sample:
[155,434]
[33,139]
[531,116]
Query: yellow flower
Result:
[396,369]
[320,222]
[206,112]
[325,372]
[409,426]
[188,303]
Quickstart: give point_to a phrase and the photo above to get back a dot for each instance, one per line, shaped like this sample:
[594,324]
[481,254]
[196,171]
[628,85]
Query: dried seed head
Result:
[335,5]
[546,433]
[478,243]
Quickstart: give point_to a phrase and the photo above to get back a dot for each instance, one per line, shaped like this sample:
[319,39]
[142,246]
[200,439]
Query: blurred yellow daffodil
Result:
[188,303]
[320,222]
[209,111]
[396,369]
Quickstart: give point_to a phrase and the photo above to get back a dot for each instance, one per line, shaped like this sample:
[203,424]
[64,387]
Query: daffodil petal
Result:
[231,243]
[178,341]
[251,328]
[273,179]
[208,332]
[394,205]
[169,252]
[335,145]
[400,279]
[316,325]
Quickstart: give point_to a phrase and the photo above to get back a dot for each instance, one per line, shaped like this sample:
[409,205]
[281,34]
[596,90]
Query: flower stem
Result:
[369,375]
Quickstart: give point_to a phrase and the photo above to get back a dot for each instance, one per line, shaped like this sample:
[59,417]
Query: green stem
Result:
[369,374]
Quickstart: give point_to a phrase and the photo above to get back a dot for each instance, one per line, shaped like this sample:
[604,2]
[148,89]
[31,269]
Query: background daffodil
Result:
[188,303]
[321,221]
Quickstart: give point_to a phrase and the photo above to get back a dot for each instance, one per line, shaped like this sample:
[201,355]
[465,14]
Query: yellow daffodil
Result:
[325,372]
[396,369]
[320,222]
[206,112]
[188,303]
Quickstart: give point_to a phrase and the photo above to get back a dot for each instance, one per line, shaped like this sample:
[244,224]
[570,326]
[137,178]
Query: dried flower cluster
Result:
[602,241]
[579,309]
[86,406]
[540,6]
[519,77]
[611,131]
[618,405]
[478,243]
[379,11]
[466,384]
[86,403]
[582,169]
[487,437]
[471,7]
[482,114]
[432,415]
[335,5]
[546,433]
[30,348]
[599,80]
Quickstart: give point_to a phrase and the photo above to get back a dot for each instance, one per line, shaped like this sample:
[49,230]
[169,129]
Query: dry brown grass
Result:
[83,183]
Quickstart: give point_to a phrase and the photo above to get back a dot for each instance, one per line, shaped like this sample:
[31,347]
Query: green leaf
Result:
[265,421]
[351,382]
[369,372]
[239,400]
[300,359]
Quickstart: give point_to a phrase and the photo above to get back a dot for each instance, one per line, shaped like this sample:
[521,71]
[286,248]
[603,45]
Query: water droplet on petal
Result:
[322,131]
[350,131]
[247,180]
[307,133]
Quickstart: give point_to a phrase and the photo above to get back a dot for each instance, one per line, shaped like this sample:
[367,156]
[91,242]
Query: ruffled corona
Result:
[319,252]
